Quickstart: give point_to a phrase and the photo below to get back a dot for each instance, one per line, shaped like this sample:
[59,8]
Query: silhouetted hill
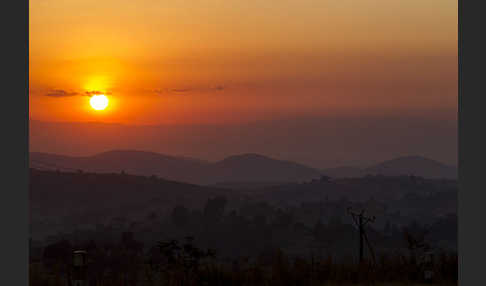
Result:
[82,197]
[254,167]
[323,141]
[132,162]
[344,172]
[67,200]
[407,165]
[413,165]
[119,217]
[241,168]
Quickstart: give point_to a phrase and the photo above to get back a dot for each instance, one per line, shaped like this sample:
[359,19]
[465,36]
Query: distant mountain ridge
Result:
[243,168]
[406,165]
[316,141]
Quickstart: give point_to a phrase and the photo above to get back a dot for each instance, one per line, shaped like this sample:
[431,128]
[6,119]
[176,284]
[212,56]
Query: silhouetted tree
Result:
[58,256]
[180,216]
[152,216]
[214,209]
[325,178]
[185,258]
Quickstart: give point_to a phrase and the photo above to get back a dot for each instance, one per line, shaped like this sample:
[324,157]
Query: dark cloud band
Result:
[64,93]
[187,90]
[61,93]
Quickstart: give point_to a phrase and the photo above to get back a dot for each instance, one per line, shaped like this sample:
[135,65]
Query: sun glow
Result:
[99,102]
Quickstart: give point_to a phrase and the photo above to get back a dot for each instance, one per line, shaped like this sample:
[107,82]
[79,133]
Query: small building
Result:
[79,273]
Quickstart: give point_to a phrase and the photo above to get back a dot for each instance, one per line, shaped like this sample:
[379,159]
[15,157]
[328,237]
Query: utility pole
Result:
[361,220]
[361,231]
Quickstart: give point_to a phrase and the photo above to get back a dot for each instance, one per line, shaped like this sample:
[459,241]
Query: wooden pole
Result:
[360,220]
[361,230]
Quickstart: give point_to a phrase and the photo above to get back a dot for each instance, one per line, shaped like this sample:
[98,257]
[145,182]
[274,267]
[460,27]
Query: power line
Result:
[361,221]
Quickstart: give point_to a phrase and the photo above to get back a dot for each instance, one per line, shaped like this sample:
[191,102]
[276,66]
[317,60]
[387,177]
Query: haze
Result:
[380,71]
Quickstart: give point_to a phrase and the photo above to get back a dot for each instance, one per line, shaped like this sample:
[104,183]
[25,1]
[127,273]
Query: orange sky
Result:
[218,61]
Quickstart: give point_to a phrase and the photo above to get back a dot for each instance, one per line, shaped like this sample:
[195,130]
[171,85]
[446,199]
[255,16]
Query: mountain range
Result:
[238,168]
[241,168]
[319,142]
[407,165]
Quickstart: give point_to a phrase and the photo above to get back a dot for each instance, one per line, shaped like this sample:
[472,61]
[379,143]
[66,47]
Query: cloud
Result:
[95,92]
[60,93]
[64,93]
[189,89]
[180,90]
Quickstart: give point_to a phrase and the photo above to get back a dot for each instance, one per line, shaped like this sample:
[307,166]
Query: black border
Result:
[472,143]
[14,218]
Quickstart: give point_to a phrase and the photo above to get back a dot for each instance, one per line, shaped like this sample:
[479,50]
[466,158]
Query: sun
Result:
[99,102]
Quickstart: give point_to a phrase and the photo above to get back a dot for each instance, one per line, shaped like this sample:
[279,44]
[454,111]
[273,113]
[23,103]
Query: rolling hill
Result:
[407,165]
[241,168]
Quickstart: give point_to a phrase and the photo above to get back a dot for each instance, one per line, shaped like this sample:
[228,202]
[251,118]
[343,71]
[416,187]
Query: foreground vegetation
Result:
[148,231]
[182,263]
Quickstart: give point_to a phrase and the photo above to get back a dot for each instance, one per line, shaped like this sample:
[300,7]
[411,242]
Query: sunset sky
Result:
[226,61]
